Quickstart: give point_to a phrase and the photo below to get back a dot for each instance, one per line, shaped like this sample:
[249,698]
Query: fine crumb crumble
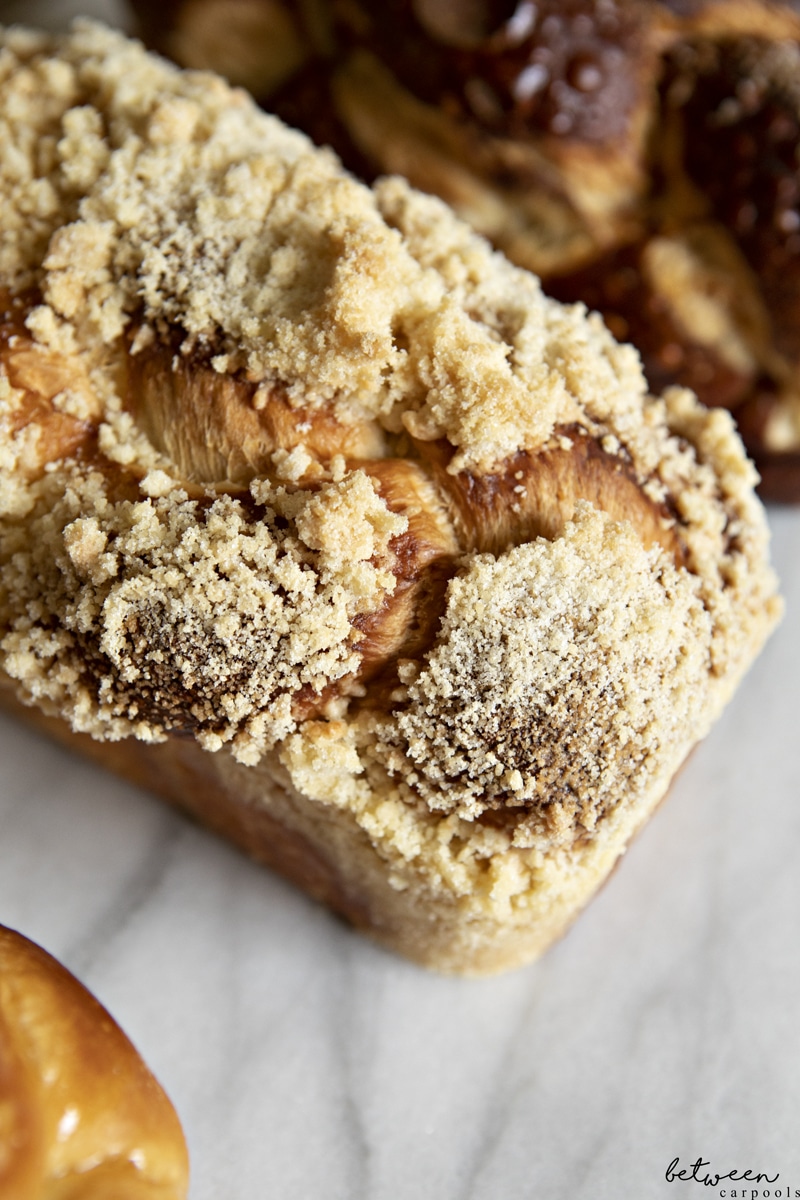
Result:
[359,365]
[602,650]
[172,199]
[169,613]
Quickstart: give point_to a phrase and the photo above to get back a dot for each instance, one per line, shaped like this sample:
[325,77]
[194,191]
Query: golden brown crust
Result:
[81,1116]
[306,472]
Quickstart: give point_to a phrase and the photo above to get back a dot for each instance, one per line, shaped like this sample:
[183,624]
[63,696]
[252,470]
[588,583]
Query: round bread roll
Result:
[322,519]
[81,1116]
[640,156]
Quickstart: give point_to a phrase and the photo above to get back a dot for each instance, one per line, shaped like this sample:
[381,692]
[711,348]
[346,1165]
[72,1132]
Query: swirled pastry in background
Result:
[322,520]
[81,1116]
[639,155]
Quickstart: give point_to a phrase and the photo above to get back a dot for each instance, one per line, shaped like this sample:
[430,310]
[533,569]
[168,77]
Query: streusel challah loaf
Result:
[639,155]
[319,518]
[81,1116]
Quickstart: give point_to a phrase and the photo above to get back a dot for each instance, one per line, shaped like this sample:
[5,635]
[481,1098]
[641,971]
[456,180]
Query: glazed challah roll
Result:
[321,519]
[81,1116]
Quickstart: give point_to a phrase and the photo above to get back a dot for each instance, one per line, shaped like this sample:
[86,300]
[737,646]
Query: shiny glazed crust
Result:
[318,517]
[639,155]
[81,1116]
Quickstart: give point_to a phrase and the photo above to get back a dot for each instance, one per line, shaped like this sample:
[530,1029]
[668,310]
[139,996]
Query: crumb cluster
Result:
[604,658]
[165,614]
[171,197]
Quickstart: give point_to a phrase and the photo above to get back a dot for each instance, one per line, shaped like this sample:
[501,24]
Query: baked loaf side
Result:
[639,155]
[321,516]
[81,1116]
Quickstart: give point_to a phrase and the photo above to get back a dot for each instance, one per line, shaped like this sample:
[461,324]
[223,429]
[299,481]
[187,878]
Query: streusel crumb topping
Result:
[603,649]
[160,614]
[130,187]
[249,413]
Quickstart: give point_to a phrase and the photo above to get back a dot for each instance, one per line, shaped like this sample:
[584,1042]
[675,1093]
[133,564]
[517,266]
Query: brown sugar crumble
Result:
[156,219]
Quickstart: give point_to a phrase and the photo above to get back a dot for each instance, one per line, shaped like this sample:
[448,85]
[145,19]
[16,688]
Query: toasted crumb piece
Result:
[565,674]
[170,613]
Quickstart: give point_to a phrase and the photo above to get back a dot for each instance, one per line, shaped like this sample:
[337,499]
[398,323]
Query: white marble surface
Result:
[308,1065]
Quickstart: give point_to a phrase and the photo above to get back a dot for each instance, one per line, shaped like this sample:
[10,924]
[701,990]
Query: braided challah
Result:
[319,518]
